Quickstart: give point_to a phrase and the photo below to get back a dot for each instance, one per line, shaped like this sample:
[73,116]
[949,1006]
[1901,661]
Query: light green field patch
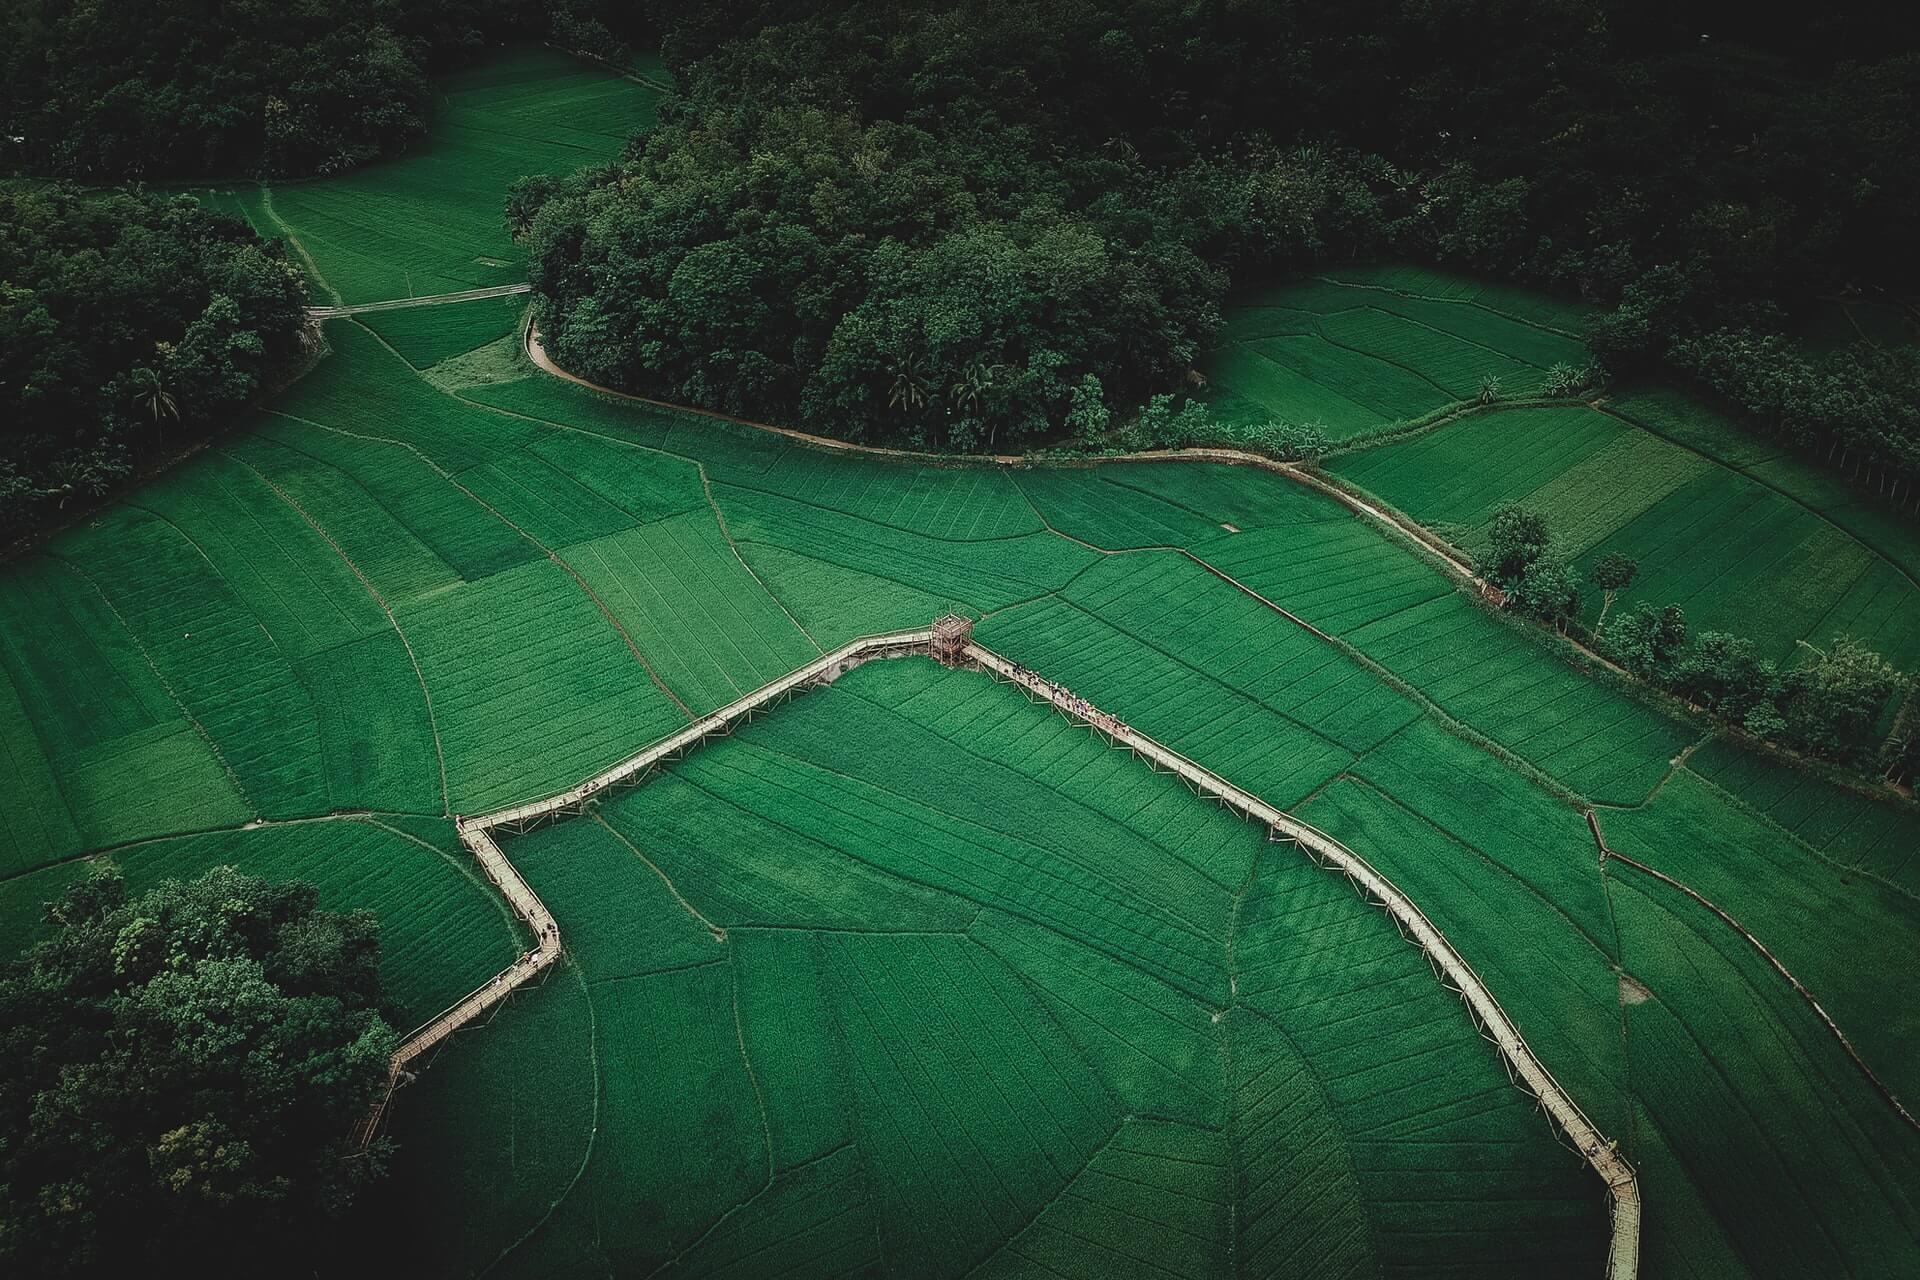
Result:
[1609,488]
[1453,476]
[709,629]
[534,689]
[1742,558]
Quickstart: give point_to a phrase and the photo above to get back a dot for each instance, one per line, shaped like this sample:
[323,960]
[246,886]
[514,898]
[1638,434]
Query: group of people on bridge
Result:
[1062,696]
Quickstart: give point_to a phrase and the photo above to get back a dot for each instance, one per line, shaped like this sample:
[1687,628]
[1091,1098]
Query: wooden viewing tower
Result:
[951,636]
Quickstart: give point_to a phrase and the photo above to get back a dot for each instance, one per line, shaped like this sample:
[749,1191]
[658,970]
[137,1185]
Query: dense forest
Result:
[129,324]
[955,224]
[179,1076]
[118,89]
[988,224]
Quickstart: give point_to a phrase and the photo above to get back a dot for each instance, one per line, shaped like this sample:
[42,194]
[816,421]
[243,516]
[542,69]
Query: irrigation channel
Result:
[949,641]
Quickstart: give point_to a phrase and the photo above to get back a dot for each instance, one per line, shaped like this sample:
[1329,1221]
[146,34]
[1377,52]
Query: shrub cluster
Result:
[1829,707]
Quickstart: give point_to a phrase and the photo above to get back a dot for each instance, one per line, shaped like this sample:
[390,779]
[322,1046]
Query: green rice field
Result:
[910,976]
[430,221]
[1744,537]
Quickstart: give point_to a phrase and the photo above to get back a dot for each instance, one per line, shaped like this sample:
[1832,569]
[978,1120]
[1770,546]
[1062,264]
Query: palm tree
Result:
[909,389]
[974,383]
[151,391]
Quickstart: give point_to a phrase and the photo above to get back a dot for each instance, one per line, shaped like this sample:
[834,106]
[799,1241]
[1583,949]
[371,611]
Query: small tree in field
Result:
[1612,574]
[1832,706]
[1647,641]
[1517,537]
[1549,591]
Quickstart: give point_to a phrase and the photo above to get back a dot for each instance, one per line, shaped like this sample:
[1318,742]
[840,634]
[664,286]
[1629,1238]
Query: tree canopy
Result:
[180,1076]
[128,322]
[932,222]
[179,88]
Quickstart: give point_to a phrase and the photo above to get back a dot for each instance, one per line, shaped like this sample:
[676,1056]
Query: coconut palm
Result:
[971,390]
[151,391]
[909,389]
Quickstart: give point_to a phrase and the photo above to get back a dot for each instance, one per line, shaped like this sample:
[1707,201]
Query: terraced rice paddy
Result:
[920,1016]
[910,976]
[1364,349]
[1742,536]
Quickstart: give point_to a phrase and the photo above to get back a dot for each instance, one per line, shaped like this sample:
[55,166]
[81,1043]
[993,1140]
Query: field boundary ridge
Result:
[337,310]
[1725,917]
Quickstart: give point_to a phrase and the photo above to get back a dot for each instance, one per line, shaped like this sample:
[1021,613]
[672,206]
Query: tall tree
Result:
[1612,574]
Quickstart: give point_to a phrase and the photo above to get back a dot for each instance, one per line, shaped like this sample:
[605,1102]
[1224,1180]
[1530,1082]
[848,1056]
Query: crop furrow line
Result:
[413,660]
[543,548]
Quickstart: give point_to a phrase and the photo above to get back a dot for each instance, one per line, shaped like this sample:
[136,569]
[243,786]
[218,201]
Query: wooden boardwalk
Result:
[1623,1189]
[1623,1193]
[820,670]
[477,835]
